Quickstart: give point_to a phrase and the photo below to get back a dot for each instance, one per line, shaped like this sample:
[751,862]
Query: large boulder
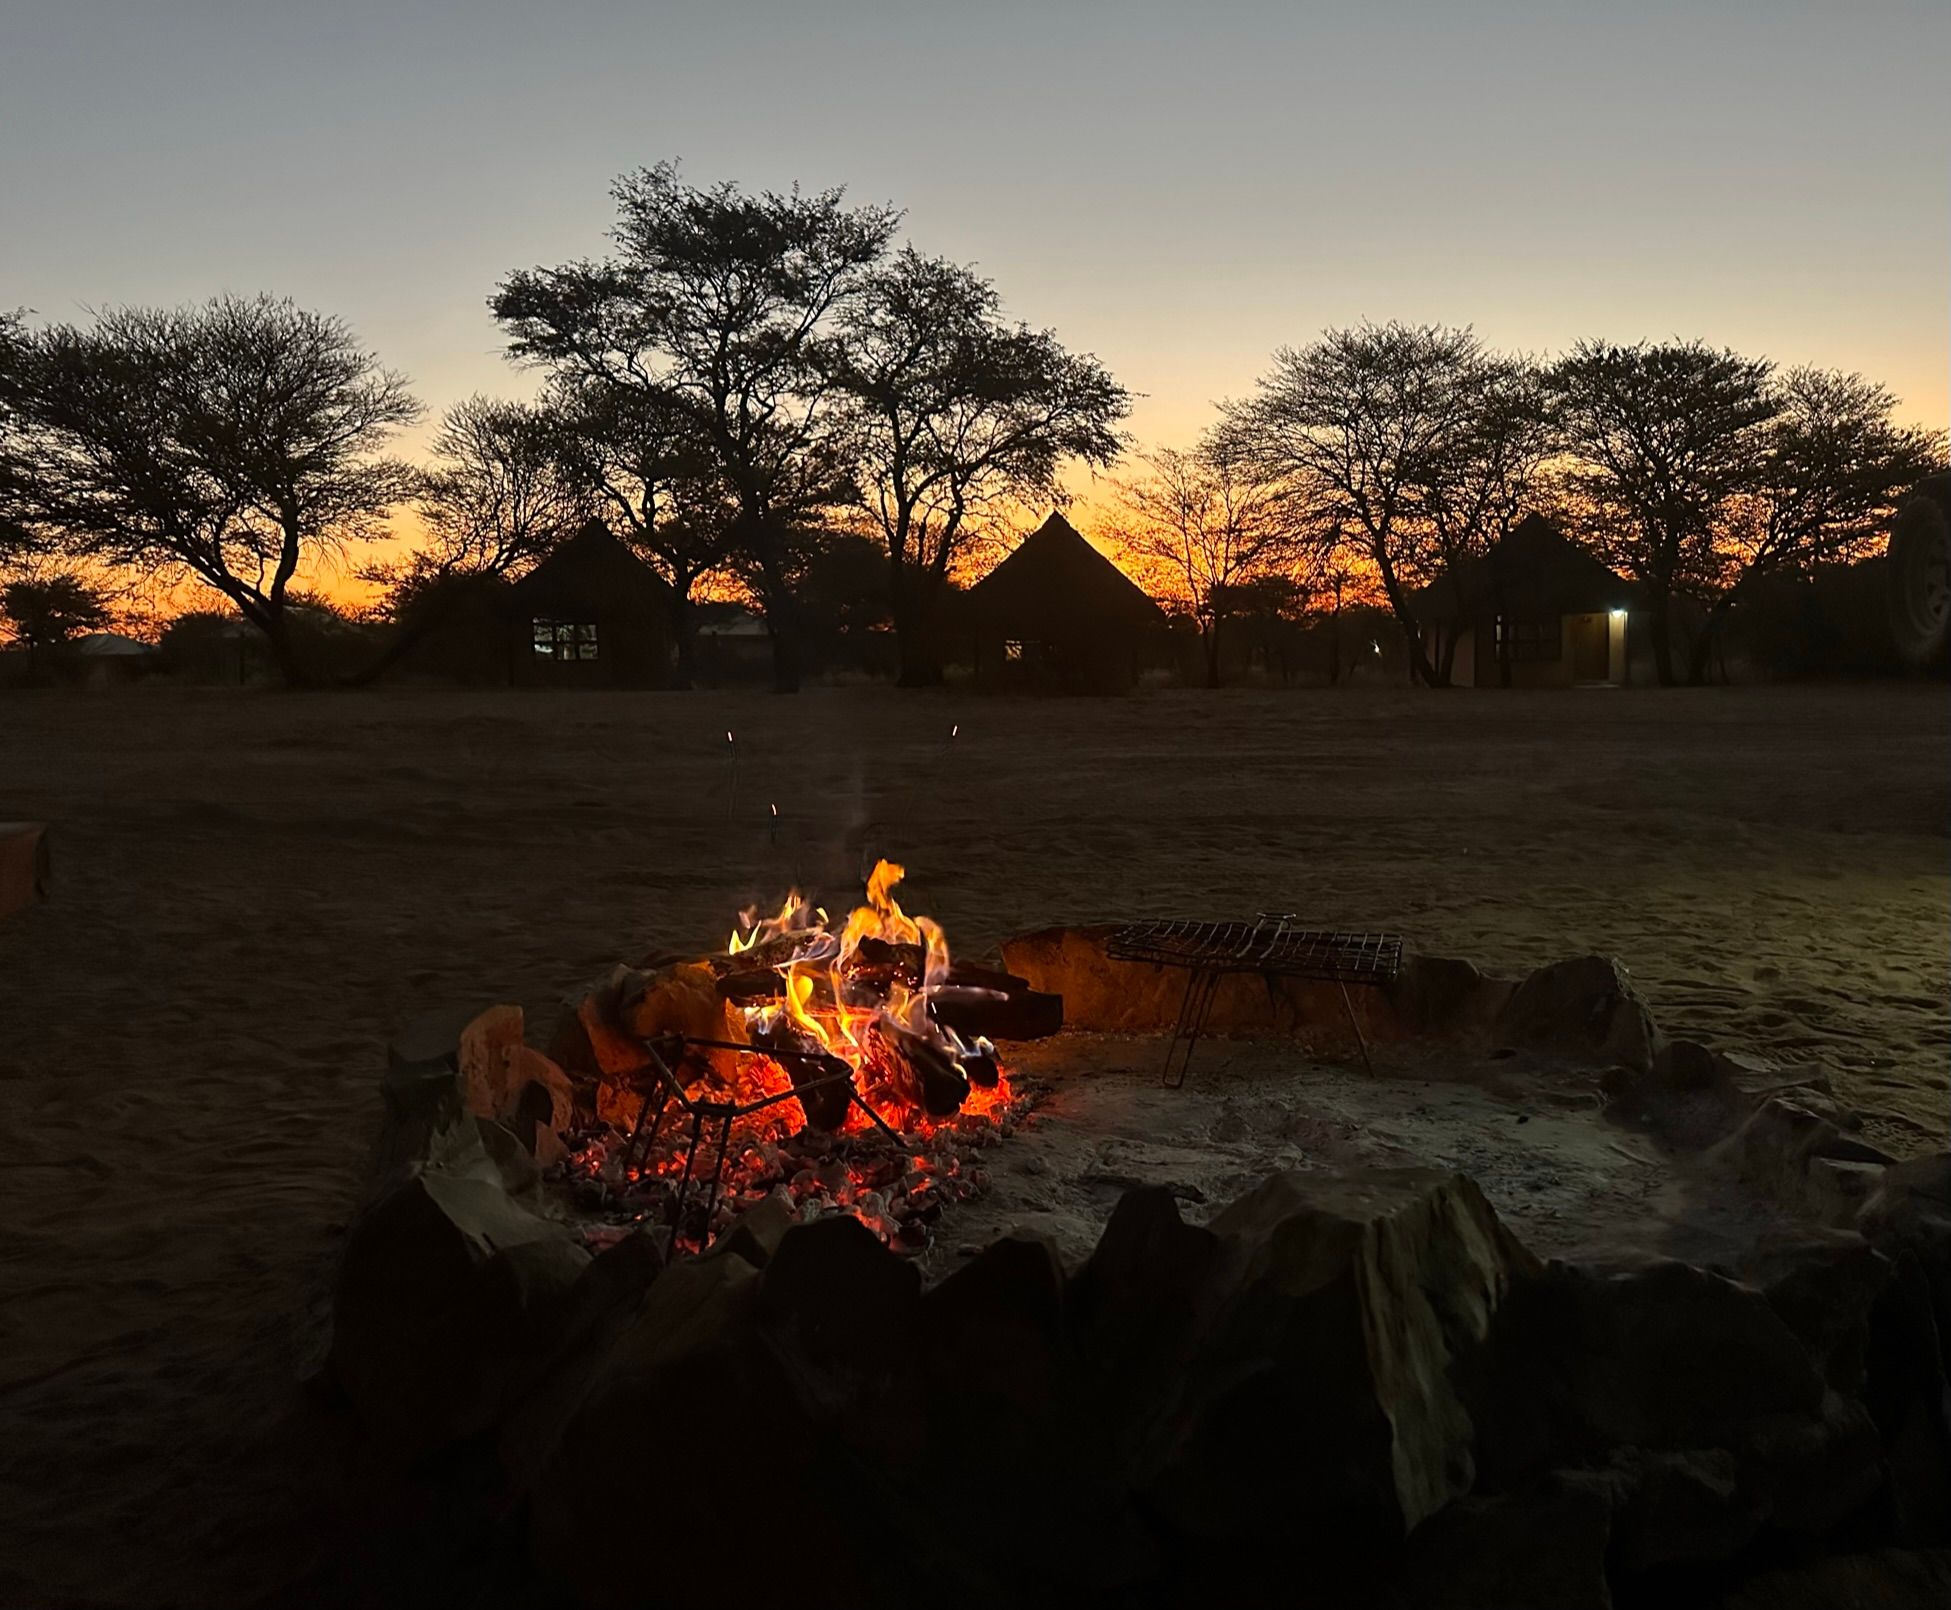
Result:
[449,1304]
[1910,1211]
[1788,1150]
[1889,1579]
[1584,1009]
[773,1407]
[1543,1547]
[1358,1337]
[1663,1355]
[1444,997]
[590,1042]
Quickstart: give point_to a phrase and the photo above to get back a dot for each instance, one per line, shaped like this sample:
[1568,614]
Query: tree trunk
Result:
[1448,665]
[1420,670]
[916,646]
[1704,645]
[781,608]
[684,639]
[1662,625]
[1210,637]
[430,613]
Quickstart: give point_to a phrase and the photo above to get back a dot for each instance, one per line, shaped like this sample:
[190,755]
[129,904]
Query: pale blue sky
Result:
[1177,188]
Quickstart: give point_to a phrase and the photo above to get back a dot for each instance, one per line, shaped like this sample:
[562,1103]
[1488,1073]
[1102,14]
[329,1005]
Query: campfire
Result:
[843,1068]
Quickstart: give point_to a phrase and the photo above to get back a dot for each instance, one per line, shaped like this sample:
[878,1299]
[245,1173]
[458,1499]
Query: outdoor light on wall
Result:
[1618,614]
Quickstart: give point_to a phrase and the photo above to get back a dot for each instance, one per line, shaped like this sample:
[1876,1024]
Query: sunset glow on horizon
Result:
[1178,191]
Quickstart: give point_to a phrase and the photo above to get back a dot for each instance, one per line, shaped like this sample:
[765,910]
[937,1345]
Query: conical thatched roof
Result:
[1056,584]
[591,573]
[1534,572]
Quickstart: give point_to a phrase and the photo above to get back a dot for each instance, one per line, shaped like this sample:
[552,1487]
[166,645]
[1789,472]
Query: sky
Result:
[1179,189]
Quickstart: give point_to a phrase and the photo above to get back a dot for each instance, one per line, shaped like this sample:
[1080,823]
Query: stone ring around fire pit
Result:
[1363,1374]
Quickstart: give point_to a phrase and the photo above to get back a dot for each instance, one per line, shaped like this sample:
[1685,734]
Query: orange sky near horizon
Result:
[1179,190]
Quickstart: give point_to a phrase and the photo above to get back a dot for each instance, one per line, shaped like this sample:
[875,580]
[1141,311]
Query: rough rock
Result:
[1439,995]
[1359,1332]
[528,1070]
[447,1306]
[842,1312]
[1908,1396]
[1776,1150]
[1679,1507]
[1910,1211]
[1890,1579]
[1585,1008]
[793,1391]
[488,1085]
[677,1396]
[589,1044]
[1825,1285]
[992,1345]
[1663,1355]
[1543,1548]
[605,1298]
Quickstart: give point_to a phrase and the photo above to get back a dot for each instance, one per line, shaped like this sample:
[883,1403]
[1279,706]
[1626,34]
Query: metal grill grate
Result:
[1270,945]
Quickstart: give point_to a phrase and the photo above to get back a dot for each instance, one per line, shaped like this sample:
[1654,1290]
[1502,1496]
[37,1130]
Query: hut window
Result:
[1013,649]
[565,640]
[1530,640]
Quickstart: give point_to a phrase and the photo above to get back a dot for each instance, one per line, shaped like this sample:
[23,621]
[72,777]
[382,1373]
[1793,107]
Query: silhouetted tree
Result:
[1832,466]
[233,441]
[48,612]
[17,536]
[494,500]
[957,412]
[840,581]
[1354,426]
[1665,441]
[1212,528]
[717,306]
[498,495]
[1480,478]
[645,466]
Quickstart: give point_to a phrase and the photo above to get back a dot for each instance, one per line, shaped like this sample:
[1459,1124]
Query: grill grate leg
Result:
[1195,1006]
[1348,1006]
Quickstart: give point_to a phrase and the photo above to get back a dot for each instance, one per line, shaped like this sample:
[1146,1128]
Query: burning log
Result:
[822,1081]
[1018,1013]
[925,1074]
[972,1000]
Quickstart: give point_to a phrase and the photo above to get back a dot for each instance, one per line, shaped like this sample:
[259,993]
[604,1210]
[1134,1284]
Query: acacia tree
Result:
[494,499]
[1352,427]
[48,612]
[1831,469]
[497,495]
[233,441]
[17,537]
[1665,443]
[1481,477]
[1213,529]
[715,306]
[956,412]
[644,466]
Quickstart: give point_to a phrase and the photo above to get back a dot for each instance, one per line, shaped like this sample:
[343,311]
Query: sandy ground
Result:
[251,889]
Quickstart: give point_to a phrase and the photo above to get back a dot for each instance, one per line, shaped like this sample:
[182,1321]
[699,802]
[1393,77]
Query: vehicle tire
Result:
[1920,576]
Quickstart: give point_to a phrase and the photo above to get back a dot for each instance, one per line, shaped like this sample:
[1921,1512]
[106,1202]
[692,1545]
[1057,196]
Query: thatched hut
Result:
[1536,611]
[1057,614]
[591,614]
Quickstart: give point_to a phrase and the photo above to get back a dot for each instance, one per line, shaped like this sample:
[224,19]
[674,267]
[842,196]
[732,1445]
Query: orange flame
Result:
[829,1009]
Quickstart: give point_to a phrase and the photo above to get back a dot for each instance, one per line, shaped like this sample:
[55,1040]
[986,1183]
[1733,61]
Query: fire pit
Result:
[833,1067]
[1448,1296]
